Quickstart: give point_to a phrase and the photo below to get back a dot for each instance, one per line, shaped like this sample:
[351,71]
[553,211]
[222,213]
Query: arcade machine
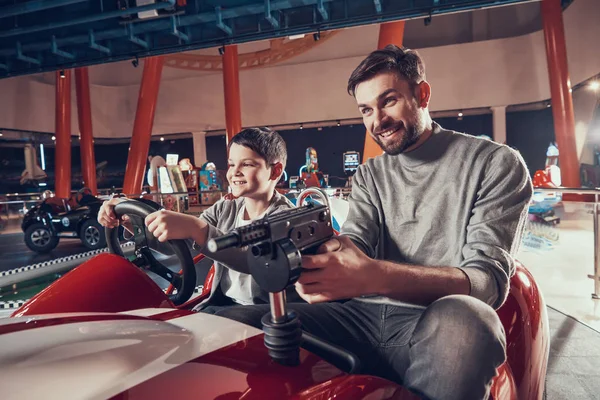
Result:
[167,183]
[309,174]
[212,184]
[351,163]
[190,175]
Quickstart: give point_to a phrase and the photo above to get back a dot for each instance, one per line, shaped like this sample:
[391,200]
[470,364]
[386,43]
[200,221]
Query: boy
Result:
[257,158]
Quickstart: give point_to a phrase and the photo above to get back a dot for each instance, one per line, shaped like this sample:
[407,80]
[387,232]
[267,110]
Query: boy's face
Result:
[248,173]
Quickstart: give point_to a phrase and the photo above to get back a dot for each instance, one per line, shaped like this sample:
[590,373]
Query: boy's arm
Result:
[233,258]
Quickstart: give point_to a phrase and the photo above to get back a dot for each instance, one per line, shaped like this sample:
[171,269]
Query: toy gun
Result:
[277,241]
[275,246]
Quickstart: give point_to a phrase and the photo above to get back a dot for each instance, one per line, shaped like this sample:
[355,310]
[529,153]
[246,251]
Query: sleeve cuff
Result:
[483,286]
[212,232]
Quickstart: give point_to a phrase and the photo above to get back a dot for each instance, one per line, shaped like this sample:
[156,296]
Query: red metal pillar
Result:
[62,121]
[389,33]
[84,112]
[142,127]
[231,85]
[560,90]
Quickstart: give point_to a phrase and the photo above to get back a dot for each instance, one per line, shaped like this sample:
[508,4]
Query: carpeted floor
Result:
[574,364]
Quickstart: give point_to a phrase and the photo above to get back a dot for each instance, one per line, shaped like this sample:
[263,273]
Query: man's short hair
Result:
[405,62]
[265,142]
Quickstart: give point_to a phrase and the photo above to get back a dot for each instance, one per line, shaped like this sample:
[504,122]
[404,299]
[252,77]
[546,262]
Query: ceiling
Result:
[47,35]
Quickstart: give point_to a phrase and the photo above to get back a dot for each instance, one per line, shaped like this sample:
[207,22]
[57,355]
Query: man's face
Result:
[391,112]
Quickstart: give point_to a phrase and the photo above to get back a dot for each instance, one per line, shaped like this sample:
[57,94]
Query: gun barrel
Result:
[223,242]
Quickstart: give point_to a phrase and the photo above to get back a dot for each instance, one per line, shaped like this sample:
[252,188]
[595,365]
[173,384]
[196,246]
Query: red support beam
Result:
[231,85]
[62,121]
[84,112]
[560,90]
[142,128]
[389,33]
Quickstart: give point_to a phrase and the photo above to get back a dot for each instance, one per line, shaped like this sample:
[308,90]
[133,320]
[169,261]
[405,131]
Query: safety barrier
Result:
[542,237]
[21,274]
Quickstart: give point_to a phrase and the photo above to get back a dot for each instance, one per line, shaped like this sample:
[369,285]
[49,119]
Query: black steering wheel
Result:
[137,212]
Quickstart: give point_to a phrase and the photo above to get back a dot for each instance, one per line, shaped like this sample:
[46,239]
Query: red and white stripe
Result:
[98,355]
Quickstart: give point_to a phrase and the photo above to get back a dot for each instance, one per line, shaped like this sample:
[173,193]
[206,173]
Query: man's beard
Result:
[402,141]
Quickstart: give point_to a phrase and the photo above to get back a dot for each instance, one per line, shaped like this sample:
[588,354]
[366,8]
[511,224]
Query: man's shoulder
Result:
[476,145]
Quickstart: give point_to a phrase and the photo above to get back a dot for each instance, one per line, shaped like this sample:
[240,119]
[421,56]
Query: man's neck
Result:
[257,206]
[423,137]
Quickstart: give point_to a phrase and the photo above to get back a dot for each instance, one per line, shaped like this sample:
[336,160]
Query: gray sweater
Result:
[221,219]
[456,200]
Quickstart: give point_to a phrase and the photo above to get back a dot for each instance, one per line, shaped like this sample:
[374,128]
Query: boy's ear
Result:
[276,171]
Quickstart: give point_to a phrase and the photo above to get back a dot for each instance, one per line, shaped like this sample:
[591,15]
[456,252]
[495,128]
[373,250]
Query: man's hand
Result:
[338,271]
[169,225]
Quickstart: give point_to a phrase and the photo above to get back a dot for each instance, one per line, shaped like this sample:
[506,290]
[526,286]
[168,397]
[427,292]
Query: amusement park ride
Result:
[106,330]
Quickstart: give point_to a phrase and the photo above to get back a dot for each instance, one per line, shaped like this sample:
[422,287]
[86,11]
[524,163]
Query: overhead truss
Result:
[47,35]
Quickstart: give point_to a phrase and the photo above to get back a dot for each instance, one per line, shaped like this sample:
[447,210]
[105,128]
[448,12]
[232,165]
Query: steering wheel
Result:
[137,212]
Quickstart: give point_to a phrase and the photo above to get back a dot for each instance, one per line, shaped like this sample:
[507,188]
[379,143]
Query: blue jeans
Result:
[450,350]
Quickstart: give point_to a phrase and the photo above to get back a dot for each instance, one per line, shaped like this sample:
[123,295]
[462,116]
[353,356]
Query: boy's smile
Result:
[248,174]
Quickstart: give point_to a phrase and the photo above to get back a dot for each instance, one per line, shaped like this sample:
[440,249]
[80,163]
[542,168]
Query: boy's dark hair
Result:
[405,62]
[267,143]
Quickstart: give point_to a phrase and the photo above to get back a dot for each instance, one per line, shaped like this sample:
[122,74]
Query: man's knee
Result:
[465,323]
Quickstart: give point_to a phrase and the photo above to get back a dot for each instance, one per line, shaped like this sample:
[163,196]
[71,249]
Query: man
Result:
[426,252]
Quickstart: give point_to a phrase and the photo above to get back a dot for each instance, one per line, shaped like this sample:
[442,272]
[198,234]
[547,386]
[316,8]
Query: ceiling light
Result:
[0,133]
[301,127]
[338,123]
[62,73]
[162,139]
[53,137]
[595,85]
[460,114]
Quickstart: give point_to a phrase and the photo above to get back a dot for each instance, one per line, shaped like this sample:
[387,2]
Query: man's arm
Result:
[362,223]
[493,236]
[496,226]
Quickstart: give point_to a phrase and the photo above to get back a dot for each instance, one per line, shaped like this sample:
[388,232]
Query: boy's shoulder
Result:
[281,201]
[227,205]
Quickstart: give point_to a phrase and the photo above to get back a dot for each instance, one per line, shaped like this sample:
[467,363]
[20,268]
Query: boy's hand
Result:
[106,214]
[169,225]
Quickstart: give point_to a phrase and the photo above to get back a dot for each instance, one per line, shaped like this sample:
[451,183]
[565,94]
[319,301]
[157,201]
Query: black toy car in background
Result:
[76,217]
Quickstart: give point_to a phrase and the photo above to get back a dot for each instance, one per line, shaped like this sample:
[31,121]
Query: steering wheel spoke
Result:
[146,245]
[152,264]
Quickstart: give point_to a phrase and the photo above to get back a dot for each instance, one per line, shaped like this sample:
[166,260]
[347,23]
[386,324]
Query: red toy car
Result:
[107,331]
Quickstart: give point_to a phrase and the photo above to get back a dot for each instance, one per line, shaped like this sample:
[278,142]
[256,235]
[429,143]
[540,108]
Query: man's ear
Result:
[423,94]
[276,171]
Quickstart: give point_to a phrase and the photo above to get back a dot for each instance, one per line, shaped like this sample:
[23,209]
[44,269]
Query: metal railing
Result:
[595,211]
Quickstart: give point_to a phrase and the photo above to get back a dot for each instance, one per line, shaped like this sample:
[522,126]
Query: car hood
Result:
[99,355]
